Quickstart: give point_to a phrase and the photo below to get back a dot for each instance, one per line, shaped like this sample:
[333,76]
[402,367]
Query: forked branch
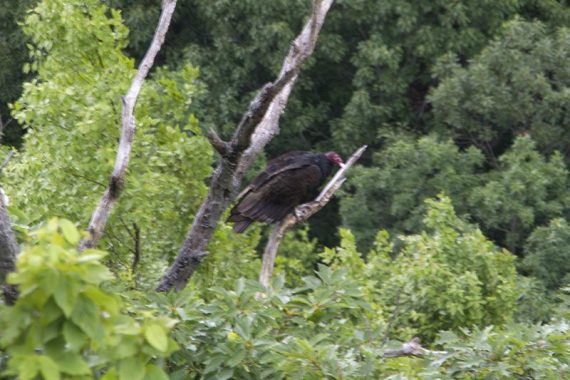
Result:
[258,125]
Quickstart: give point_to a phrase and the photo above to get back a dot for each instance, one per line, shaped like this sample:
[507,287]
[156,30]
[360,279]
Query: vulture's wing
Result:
[273,197]
[286,162]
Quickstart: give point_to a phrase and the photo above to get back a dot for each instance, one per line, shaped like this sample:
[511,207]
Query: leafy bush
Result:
[445,278]
[516,352]
[66,325]
[320,330]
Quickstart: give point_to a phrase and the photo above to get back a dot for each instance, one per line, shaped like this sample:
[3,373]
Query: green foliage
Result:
[548,256]
[445,278]
[535,304]
[66,325]
[72,113]
[297,256]
[322,330]
[519,84]
[374,65]
[526,191]
[390,195]
[516,352]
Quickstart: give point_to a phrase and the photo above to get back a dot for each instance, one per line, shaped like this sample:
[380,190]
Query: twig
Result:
[302,213]
[1,128]
[256,128]
[412,348]
[137,250]
[6,160]
[117,180]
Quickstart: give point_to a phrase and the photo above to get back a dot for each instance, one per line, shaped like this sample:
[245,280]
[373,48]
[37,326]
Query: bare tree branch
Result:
[117,180]
[412,348]
[301,214]
[256,128]
[137,249]
[1,128]
[6,160]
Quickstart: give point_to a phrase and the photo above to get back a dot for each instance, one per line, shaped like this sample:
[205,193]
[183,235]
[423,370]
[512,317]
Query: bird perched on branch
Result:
[288,181]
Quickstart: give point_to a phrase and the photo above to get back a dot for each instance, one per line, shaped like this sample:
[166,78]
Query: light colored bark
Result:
[128,127]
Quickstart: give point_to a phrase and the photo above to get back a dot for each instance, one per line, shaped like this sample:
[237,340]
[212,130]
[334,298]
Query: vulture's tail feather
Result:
[241,225]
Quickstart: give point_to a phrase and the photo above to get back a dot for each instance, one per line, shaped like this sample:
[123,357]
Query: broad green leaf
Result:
[74,336]
[131,369]
[110,375]
[71,363]
[69,231]
[48,368]
[65,295]
[156,336]
[155,373]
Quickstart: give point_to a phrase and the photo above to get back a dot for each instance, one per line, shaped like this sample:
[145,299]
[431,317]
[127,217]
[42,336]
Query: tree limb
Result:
[411,348]
[6,160]
[256,128]
[301,214]
[8,252]
[8,245]
[117,180]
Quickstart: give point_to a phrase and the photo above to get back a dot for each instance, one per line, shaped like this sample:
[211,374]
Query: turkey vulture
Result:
[288,181]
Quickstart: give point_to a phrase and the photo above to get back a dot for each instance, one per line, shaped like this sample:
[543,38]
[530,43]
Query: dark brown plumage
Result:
[288,181]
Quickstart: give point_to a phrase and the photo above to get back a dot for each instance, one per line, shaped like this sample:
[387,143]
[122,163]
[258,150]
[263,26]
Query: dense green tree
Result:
[390,194]
[519,84]
[525,192]
[547,253]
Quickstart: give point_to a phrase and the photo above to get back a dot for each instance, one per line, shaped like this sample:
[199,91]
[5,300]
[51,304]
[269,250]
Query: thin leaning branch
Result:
[256,128]
[117,179]
[301,214]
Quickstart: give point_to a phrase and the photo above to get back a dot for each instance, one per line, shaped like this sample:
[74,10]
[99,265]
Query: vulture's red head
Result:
[334,157]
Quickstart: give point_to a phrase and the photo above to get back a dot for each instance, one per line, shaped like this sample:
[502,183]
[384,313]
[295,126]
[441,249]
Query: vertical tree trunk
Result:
[8,252]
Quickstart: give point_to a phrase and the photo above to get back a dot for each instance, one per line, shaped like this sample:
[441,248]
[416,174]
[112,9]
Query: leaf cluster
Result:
[66,325]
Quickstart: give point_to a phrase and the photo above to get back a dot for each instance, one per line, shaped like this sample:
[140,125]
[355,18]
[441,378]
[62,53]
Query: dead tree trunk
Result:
[258,125]
[117,180]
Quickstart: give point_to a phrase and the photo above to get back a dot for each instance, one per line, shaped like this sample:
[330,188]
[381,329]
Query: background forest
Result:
[452,228]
